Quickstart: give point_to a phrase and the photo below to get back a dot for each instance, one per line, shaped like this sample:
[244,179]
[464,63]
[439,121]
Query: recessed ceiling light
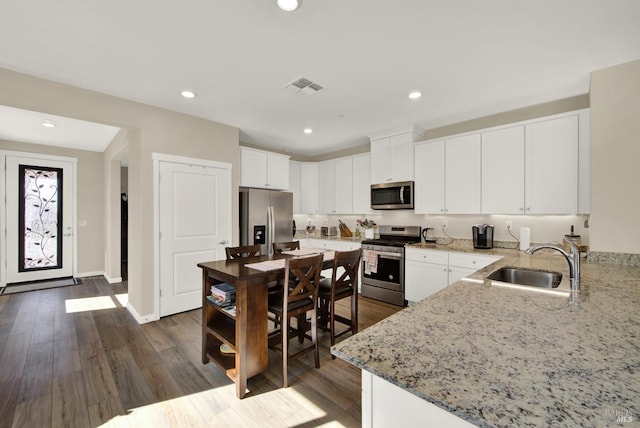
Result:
[188,94]
[415,95]
[48,124]
[308,130]
[288,5]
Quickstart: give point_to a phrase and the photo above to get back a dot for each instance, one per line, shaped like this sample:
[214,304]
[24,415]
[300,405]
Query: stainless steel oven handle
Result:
[402,195]
[386,255]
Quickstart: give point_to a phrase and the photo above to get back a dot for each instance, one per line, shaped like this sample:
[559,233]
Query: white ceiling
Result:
[469,58]
[26,126]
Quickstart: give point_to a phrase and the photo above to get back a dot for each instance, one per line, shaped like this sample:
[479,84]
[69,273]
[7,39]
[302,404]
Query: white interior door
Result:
[194,223]
[39,218]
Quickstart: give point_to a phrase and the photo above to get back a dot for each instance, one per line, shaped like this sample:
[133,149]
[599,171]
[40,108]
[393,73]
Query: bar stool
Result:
[295,303]
[340,287]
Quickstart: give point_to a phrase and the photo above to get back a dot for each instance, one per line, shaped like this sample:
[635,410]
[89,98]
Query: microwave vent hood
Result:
[392,196]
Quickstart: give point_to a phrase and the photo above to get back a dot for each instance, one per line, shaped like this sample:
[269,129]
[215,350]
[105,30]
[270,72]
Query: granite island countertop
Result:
[503,357]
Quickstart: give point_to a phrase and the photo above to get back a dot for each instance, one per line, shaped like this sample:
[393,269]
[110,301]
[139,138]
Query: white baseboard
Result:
[112,280]
[87,274]
[141,319]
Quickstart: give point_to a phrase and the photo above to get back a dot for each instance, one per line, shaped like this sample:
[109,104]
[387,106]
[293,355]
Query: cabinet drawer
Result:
[475,261]
[427,256]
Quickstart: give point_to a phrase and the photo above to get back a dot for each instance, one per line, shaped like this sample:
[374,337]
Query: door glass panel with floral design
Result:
[40,218]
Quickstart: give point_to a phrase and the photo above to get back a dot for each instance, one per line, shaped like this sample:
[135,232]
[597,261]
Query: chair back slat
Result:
[279,247]
[242,252]
[350,262]
[302,275]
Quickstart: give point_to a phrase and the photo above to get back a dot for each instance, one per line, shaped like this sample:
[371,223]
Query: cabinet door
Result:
[361,185]
[503,171]
[429,182]
[277,171]
[552,166]
[253,168]
[326,187]
[457,273]
[294,185]
[462,175]
[401,157]
[343,188]
[309,188]
[423,279]
[380,155]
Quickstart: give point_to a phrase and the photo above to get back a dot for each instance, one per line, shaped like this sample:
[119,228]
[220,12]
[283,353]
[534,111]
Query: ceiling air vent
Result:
[303,86]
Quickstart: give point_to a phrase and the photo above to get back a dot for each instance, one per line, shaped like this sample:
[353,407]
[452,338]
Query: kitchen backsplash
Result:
[547,228]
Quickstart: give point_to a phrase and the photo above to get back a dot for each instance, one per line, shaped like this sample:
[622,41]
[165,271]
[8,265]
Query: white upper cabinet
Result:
[362,184]
[309,188]
[336,186]
[539,166]
[429,180]
[392,156]
[294,185]
[462,175]
[448,176]
[343,185]
[503,171]
[263,169]
[326,187]
[551,177]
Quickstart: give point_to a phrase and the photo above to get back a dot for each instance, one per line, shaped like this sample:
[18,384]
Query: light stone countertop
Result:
[502,357]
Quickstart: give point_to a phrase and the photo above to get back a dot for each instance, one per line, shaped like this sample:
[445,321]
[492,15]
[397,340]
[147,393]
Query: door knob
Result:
[222,242]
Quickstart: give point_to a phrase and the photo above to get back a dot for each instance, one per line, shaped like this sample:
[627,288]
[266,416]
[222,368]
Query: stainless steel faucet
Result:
[573,258]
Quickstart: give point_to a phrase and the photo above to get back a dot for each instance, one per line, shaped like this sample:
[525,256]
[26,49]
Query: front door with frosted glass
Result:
[39,206]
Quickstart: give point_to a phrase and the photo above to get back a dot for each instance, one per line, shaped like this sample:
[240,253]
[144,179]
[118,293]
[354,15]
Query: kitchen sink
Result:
[528,277]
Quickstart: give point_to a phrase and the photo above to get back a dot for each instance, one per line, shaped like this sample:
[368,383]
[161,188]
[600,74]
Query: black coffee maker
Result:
[482,236]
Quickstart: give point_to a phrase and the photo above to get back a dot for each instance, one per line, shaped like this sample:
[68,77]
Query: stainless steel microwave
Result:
[392,196]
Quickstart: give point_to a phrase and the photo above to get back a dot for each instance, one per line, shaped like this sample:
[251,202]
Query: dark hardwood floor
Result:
[75,357]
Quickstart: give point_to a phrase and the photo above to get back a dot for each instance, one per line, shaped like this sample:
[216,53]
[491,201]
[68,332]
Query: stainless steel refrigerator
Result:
[266,216]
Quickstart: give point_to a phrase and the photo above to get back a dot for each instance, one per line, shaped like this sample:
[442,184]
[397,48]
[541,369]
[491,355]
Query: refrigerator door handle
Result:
[271,230]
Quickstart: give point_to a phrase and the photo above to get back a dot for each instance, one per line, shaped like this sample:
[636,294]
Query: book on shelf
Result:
[223,292]
[229,307]
[222,303]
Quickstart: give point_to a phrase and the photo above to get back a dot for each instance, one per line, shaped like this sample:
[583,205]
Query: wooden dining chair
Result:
[233,253]
[295,303]
[279,247]
[343,284]
[242,252]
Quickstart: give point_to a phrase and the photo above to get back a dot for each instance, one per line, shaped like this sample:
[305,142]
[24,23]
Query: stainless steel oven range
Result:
[383,263]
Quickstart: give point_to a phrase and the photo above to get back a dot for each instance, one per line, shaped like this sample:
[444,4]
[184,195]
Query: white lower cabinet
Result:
[425,272]
[429,271]
[387,405]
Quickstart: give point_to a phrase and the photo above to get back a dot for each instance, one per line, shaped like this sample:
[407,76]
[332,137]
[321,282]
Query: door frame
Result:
[3,207]
[161,157]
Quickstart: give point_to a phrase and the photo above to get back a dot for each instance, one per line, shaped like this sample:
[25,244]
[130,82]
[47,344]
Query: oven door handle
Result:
[385,255]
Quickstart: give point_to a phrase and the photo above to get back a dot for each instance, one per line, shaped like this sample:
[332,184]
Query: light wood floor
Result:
[75,357]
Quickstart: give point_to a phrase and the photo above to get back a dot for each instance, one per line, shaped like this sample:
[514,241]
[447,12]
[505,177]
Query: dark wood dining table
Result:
[244,330]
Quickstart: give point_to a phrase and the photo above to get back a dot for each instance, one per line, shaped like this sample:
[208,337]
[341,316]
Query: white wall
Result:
[615,158]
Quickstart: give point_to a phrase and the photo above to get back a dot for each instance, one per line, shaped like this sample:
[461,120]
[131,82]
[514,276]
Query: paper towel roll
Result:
[525,238]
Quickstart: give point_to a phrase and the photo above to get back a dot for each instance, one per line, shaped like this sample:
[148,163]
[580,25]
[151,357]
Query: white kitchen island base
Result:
[387,405]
